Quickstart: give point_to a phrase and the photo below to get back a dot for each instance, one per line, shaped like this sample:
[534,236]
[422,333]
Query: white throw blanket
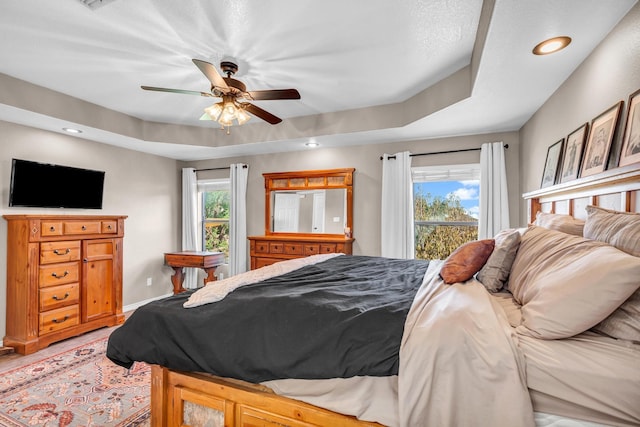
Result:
[459,366]
[216,291]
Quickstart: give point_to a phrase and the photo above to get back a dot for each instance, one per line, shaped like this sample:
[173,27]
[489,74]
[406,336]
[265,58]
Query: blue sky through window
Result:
[467,191]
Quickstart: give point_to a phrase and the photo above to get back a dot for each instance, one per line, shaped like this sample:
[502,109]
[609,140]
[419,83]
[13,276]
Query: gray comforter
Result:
[339,318]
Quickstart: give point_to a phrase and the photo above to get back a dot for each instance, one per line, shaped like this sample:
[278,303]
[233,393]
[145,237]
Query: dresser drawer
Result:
[263,262]
[109,227]
[262,247]
[58,274]
[59,296]
[294,248]
[328,248]
[61,318]
[82,227]
[276,248]
[52,252]
[311,249]
[51,228]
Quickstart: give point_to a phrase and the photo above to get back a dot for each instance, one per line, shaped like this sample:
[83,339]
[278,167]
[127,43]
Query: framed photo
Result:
[572,155]
[601,135]
[550,174]
[631,143]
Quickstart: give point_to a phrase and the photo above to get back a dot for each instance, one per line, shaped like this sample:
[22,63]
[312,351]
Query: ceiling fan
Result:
[232,91]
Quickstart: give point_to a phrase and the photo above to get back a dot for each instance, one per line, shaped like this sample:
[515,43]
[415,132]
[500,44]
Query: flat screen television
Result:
[45,185]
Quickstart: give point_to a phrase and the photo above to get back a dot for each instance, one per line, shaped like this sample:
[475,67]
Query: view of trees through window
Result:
[215,221]
[444,217]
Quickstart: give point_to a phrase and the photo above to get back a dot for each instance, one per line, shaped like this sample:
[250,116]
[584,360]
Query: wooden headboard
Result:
[617,189]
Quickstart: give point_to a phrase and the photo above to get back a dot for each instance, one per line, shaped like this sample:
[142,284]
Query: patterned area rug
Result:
[78,387]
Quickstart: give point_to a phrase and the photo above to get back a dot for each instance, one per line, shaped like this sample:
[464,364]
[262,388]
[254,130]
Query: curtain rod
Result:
[441,152]
[216,169]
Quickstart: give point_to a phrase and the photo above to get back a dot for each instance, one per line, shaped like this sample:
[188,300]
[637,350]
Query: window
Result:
[214,208]
[445,200]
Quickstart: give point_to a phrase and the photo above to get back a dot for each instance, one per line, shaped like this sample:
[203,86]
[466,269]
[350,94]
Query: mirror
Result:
[318,211]
[309,202]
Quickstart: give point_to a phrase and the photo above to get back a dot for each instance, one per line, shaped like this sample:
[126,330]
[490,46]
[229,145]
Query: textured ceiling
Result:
[394,70]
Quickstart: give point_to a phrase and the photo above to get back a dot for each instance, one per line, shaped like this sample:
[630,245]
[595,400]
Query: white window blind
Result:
[469,172]
[206,185]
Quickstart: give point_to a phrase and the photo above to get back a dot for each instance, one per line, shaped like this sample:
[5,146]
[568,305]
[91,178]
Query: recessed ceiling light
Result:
[551,45]
[72,130]
[311,144]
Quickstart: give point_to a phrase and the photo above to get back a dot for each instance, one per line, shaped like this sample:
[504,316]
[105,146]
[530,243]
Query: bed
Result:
[531,336]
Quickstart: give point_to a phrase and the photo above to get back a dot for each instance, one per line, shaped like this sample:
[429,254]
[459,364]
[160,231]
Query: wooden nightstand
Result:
[208,261]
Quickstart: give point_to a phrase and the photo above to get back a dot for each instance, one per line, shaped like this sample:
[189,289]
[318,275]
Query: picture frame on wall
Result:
[550,173]
[630,152]
[572,153]
[601,135]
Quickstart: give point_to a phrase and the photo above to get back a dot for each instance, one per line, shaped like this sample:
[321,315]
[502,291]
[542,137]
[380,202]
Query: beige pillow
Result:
[495,272]
[560,222]
[622,230]
[619,229]
[567,284]
[465,261]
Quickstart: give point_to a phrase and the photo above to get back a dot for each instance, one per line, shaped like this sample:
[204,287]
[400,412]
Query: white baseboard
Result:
[131,307]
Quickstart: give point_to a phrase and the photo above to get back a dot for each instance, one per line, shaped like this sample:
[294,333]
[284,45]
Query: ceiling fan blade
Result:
[212,74]
[186,92]
[264,115]
[259,95]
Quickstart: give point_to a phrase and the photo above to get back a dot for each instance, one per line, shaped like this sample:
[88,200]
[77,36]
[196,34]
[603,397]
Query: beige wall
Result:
[142,186]
[367,178]
[610,74]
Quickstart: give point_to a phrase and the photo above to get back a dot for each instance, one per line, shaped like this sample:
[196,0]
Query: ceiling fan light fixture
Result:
[242,116]
[551,45]
[225,123]
[214,111]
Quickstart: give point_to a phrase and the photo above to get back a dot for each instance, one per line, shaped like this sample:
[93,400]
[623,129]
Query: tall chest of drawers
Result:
[64,277]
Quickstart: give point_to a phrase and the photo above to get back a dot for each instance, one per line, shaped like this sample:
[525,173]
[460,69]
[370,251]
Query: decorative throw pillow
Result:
[560,222]
[496,271]
[622,230]
[567,284]
[465,261]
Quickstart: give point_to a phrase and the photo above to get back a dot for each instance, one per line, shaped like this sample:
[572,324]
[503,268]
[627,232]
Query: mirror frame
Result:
[308,180]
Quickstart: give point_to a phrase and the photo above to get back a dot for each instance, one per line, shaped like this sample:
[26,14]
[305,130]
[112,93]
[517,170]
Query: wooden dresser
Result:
[327,226]
[64,277]
[265,250]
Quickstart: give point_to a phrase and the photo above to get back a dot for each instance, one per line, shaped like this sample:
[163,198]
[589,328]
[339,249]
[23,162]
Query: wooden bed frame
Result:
[616,189]
[245,404]
[239,402]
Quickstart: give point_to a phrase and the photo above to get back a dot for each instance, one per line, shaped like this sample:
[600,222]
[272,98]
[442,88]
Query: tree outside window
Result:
[445,200]
[215,221]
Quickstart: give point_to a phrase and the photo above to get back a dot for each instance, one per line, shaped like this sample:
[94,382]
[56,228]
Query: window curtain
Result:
[238,219]
[494,199]
[189,222]
[397,236]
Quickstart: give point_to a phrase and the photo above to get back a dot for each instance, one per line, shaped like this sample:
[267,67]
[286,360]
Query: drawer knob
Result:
[84,227]
[60,321]
[109,227]
[52,228]
[57,252]
[66,295]
[54,274]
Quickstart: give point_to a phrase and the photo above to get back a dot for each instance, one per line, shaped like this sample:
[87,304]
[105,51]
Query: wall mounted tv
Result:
[45,185]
